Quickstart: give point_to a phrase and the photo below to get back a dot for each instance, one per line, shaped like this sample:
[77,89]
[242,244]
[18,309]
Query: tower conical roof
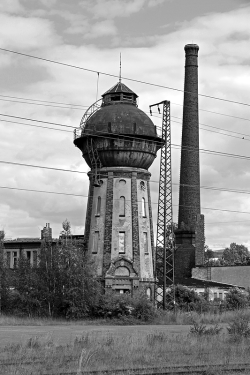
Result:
[119,87]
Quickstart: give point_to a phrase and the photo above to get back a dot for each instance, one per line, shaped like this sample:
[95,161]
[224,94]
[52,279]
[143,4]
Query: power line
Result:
[214,127]
[28,119]
[41,167]
[213,112]
[36,126]
[86,196]
[213,131]
[45,127]
[103,134]
[44,101]
[40,104]
[79,106]
[124,78]
[228,222]
[152,181]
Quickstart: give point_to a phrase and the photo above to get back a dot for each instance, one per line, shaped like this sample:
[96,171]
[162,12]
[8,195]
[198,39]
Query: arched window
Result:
[122,206]
[143,207]
[98,206]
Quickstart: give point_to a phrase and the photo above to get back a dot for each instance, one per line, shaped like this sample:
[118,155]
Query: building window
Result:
[215,295]
[148,293]
[98,206]
[12,258]
[221,296]
[28,255]
[142,185]
[121,244]
[95,243]
[145,242]
[122,206]
[15,259]
[143,207]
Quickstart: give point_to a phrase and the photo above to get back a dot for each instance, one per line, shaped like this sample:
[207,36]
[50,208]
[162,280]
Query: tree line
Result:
[233,255]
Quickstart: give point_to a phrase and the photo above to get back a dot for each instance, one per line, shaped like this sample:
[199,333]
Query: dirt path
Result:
[66,334]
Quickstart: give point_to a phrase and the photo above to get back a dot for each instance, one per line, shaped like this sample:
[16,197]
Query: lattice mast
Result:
[164,254]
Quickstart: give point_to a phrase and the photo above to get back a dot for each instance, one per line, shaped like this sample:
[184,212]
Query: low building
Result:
[30,247]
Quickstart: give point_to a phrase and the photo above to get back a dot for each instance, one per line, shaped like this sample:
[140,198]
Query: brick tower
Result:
[119,143]
[190,233]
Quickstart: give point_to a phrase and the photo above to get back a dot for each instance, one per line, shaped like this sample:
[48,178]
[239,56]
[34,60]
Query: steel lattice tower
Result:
[164,262]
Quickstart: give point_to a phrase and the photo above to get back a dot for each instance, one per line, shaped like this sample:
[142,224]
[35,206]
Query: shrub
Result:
[142,307]
[236,299]
[239,327]
[124,305]
[186,299]
[200,329]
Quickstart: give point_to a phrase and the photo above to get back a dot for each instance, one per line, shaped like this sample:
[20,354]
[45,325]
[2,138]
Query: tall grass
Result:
[98,351]
[161,318]
[182,318]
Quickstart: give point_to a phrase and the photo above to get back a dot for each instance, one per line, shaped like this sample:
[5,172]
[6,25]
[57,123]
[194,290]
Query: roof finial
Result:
[120,73]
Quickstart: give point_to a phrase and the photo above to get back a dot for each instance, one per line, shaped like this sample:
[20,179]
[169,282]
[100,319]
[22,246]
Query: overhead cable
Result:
[117,76]
[86,196]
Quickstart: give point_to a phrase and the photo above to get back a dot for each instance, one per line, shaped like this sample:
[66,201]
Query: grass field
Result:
[98,352]
[144,349]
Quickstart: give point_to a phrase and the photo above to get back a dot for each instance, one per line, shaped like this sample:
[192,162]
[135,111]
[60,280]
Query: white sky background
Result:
[151,35]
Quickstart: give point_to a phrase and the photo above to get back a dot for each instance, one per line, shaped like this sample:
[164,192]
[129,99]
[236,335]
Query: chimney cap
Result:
[191,46]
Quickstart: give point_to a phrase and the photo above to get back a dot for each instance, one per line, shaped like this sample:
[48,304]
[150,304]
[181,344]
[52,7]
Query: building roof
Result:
[200,283]
[24,240]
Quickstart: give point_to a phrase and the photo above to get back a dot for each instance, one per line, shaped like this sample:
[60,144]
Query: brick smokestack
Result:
[189,197]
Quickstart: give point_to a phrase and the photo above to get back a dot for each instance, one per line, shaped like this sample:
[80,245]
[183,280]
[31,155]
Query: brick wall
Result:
[108,224]
[199,241]
[135,223]
[88,212]
[151,221]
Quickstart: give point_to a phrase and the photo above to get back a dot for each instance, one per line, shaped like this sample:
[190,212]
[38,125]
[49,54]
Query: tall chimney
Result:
[189,197]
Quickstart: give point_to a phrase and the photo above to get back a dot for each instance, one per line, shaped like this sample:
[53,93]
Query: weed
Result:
[200,329]
[239,327]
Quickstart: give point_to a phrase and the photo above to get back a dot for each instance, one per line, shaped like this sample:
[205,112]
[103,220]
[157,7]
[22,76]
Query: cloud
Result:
[223,72]
[11,6]
[101,29]
[25,33]
[153,3]
[49,3]
[112,8]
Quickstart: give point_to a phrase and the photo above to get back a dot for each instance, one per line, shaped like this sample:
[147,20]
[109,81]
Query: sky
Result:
[150,35]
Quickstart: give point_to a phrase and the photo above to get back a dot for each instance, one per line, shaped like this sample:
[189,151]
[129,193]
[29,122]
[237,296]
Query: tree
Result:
[208,253]
[236,254]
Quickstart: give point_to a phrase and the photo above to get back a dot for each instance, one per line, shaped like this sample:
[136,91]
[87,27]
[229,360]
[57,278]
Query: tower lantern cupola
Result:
[119,93]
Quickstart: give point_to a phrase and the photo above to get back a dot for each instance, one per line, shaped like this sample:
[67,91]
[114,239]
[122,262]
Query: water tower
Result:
[119,143]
